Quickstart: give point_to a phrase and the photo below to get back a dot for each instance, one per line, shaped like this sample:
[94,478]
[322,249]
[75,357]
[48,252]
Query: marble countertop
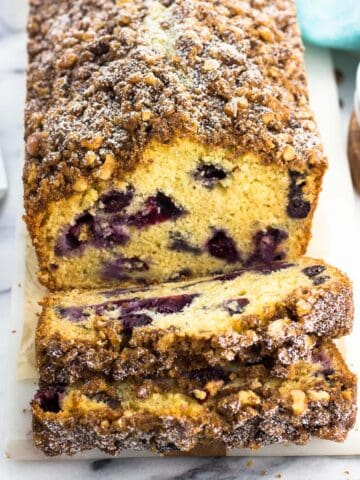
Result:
[12,87]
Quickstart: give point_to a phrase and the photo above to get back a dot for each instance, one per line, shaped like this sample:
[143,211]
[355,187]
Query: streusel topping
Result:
[107,77]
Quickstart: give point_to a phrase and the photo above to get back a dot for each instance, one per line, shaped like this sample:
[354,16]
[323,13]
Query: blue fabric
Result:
[331,23]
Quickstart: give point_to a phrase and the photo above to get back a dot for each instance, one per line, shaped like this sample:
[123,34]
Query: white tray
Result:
[334,238]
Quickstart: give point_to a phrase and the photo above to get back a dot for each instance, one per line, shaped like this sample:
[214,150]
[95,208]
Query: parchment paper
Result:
[26,368]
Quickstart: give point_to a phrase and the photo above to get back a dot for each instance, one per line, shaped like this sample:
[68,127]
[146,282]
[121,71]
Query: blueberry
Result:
[49,398]
[75,314]
[102,231]
[236,305]
[327,372]
[173,304]
[180,244]
[121,268]
[297,206]
[109,231]
[222,246]
[268,268]
[320,356]
[165,305]
[180,275]
[313,270]
[209,174]
[116,200]
[128,308]
[320,280]
[70,241]
[229,276]
[157,209]
[266,244]
[265,269]
[131,321]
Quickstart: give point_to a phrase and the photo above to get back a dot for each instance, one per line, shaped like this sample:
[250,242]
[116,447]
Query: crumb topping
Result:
[107,77]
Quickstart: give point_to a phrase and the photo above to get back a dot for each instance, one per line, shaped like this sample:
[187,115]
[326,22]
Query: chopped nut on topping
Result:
[102,335]
[347,394]
[93,143]
[107,168]
[146,115]
[309,342]
[105,424]
[289,153]
[80,185]
[34,144]
[166,342]
[68,60]
[235,8]
[199,394]
[247,397]
[242,102]
[266,34]
[211,65]
[298,401]
[135,78]
[267,117]
[303,307]
[230,108]
[31,173]
[318,395]
[151,80]
[124,20]
[277,327]
[90,158]
[214,386]
[255,384]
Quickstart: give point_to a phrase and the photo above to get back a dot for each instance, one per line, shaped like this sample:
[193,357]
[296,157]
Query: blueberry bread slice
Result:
[279,310]
[166,139]
[240,406]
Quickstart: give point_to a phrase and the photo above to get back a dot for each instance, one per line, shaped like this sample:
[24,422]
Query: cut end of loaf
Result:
[209,212]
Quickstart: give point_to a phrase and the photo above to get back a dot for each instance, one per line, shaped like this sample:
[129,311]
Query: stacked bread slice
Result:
[239,405]
[173,167]
[242,358]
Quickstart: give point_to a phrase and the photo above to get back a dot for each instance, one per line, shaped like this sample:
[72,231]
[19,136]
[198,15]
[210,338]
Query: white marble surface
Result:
[12,61]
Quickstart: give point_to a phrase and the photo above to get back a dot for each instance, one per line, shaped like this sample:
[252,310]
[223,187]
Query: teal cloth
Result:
[331,23]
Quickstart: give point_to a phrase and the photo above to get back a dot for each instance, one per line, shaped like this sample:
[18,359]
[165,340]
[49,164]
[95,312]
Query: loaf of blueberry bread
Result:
[166,139]
[242,406]
[280,310]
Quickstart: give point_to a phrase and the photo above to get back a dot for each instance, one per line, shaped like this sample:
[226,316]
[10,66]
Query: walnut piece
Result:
[298,401]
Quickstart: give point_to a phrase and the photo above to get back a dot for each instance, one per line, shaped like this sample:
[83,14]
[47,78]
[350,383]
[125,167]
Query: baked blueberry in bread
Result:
[166,139]
[278,311]
[241,406]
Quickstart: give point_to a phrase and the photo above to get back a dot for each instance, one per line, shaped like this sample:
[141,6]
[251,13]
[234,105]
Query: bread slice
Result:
[239,406]
[279,310]
[166,139]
